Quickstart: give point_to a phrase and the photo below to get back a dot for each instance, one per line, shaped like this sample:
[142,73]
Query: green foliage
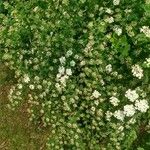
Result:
[132,136]
[82,67]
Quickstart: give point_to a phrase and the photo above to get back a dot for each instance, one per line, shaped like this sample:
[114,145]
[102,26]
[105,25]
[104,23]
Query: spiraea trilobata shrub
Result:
[82,67]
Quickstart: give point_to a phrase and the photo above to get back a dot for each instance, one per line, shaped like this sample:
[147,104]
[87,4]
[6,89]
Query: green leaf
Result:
[121,45]
[140,148]
[130,139]
[147,9]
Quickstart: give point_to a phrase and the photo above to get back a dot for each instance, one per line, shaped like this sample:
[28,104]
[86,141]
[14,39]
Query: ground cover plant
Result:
[82,67]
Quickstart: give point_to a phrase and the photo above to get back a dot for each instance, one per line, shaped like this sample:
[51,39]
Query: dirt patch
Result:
[16,132]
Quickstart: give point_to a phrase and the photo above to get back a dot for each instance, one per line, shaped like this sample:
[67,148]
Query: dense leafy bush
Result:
[83,67]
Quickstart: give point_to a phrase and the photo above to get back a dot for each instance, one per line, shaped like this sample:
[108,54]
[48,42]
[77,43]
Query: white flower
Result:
[109,68]
[19,86]
[132,121]
[72,63]
[129,110]
[137,71]
[76,56]
[39,87]
[62,60]
[108,10]
[116,2]
[102,82]
[96,94]
[69,53]
[31,87]
[11,91]
[96,102]
[141,105]
[109,19]
[121,128]
[58,86]
[61,70]
[82,63]
[26,78]
[93,109]
[118,31]
[114,101]
[58,75]
[131,95]
[119,115]
[145,30]
[128,10]
[147,62]
[35,9]
[36,78]
[68,72]
[18,93]
[63,79]
[108,115]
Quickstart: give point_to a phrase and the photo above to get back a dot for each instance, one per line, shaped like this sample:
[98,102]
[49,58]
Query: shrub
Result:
[82,66]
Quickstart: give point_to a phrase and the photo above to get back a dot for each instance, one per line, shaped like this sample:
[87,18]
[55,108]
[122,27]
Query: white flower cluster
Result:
[62,60]
[15,95]
[69,53]
[131,95]
[63,73]
[146,31]
[116,2]
[108,68]
[119,115]
[109,20]
[137,71]
[118,30]
[114,101]
[147,62]
[142,105]
[26,78]
[109,115]
[96,94]
[109,11]
[129,110]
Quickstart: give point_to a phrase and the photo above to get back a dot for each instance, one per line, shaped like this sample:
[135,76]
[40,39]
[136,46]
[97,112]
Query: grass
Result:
[16,133]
